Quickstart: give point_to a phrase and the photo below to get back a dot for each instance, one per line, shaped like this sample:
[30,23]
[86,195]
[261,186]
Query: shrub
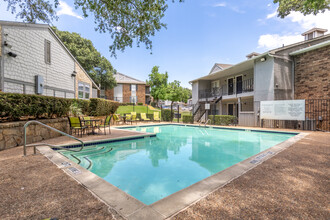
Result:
[102,107]
[222,119]
[140,103]
[167,115]
[13,106]
[188,119]
[83,105]
[153,104]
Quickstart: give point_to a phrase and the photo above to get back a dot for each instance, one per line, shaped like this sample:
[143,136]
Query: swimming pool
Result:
[150,169]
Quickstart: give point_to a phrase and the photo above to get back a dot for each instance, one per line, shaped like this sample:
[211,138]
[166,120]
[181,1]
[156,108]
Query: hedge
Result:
[101,107]
[166,115]
[188,119]
[14,106]
[222,119]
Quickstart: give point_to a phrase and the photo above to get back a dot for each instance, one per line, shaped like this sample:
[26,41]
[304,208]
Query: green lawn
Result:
[138,109]
[143,109]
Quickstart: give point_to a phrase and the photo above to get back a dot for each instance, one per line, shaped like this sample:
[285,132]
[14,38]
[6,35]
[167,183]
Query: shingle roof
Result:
[122,78]
[224,66]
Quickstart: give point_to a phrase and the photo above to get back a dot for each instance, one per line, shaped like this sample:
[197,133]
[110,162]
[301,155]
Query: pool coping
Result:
[131,208]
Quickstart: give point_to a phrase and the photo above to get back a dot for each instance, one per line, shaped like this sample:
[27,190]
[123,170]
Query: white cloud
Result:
[271,41]
[303,23]
[65,9]
[320,20]
[272,15]
[221,4]
[232,7]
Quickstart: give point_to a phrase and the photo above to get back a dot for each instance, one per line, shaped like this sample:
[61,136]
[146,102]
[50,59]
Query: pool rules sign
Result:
[283,110]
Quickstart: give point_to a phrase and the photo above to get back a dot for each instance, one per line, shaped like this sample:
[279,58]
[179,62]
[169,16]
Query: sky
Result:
[199,33]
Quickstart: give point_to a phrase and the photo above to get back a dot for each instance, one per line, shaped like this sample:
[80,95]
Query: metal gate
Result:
[317,114]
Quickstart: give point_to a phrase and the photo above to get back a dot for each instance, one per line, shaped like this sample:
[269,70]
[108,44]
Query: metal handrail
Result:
[42,144]
[206,122]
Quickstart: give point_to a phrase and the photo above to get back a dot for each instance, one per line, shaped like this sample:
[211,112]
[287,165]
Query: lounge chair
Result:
[128,118]
[135,118]
[106,124]
[156,116]
[75,124]
[144,117]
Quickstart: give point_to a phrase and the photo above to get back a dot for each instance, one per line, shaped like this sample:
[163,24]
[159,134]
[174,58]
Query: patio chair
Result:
[75,124]
[156,116]
[106,124]
[116,118]
[131,118]
[134,114]
[144,117]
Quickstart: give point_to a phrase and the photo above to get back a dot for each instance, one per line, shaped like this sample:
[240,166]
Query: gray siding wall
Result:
[194,92]
[19,73]
[283,76]
[264,80]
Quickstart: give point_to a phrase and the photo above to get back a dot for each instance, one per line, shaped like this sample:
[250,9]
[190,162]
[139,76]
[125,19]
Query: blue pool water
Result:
[150,169]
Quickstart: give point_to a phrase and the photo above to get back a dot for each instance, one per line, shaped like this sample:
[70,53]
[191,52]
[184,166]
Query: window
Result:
[310,36]
[83,90]
[47,52]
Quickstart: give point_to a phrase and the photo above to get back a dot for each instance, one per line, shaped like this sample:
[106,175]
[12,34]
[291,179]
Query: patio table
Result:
[93,124]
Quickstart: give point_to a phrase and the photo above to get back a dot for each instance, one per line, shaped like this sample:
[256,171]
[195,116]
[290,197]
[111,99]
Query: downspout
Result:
[293,77]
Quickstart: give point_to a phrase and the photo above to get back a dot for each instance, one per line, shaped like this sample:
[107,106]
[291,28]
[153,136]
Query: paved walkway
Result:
[293,184]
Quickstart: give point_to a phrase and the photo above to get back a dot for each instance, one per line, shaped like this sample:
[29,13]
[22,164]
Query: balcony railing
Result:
[228,89]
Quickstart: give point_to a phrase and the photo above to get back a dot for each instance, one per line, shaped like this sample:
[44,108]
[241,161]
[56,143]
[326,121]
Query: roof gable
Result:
[122,78]
[219,66]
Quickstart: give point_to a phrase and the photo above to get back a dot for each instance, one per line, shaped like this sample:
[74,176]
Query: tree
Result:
[102,74]
[97,66]
[125,20]
[304,6]
[158,83]
[186,95]
[176,93]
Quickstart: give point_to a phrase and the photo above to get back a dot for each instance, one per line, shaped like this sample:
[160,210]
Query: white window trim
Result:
[84,90]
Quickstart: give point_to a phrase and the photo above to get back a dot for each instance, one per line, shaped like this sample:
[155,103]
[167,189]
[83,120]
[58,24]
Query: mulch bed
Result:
[34,188]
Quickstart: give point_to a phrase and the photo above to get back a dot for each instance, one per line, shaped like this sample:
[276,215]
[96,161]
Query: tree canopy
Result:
[304,6]
[97,66]
[125,20]
[158,83]
[176,93]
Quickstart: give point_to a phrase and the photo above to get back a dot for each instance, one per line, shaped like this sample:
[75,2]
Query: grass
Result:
[143,109]
[138,109]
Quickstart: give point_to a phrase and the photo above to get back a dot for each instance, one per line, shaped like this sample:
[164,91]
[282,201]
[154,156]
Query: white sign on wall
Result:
[207,106]
[283,110]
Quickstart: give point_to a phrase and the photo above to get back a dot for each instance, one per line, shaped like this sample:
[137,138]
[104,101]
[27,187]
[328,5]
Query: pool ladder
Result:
[45,144]
[204,123]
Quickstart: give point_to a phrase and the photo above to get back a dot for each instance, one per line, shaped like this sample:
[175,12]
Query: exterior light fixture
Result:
[74,74]
[263,59]
[11,54]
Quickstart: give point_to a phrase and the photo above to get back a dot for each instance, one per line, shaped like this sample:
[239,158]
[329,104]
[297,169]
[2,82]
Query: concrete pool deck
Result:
[143,210]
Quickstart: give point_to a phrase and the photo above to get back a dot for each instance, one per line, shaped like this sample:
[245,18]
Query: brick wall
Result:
[141,93]
[126,92]
[82,77]
[312,74]
[0,41]
[109,94]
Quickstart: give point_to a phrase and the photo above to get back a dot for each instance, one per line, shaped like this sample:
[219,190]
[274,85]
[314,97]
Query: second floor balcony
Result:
[230,88]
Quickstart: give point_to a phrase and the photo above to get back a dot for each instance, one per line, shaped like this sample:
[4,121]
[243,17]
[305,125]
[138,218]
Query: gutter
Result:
[314,47]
